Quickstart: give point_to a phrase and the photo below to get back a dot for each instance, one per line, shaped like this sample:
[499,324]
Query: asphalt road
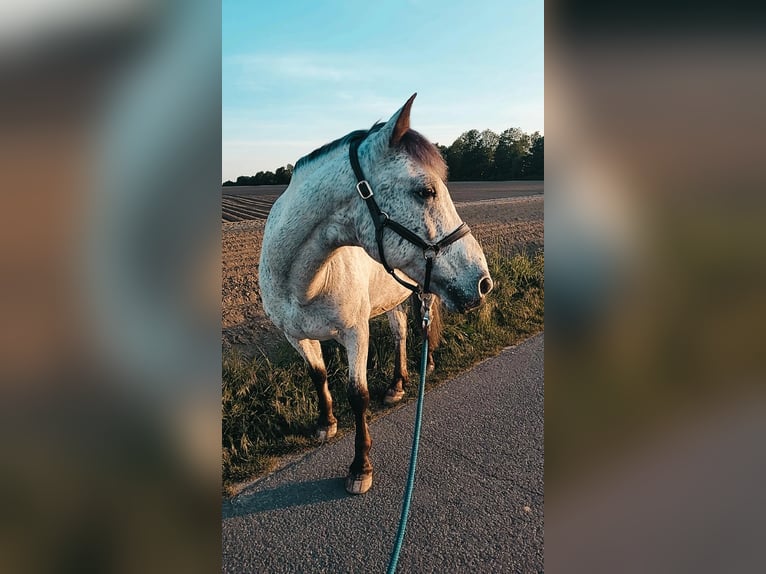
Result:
[478,499]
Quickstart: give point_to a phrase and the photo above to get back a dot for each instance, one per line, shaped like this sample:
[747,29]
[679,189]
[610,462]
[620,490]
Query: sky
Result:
[298,74]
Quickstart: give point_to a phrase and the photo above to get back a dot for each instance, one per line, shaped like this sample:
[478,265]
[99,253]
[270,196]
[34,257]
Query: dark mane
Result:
[414,144]
[335,144]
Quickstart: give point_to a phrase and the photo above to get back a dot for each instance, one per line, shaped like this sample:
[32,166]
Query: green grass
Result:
[269,406]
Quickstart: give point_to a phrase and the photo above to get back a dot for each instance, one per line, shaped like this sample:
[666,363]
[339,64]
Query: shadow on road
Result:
[286,496]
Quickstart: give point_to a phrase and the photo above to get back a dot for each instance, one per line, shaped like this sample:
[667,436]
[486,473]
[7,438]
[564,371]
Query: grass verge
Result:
[269,406]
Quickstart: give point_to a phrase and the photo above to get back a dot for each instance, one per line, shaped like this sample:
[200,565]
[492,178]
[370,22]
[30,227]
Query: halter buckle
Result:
[359,188]
[430,252]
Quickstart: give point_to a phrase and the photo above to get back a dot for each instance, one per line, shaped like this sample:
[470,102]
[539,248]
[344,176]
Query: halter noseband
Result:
[382,220]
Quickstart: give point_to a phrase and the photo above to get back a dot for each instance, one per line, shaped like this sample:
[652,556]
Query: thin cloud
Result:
[255,71]
[293,67]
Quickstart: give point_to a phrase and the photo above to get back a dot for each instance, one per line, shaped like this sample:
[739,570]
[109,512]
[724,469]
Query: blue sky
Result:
[297,74]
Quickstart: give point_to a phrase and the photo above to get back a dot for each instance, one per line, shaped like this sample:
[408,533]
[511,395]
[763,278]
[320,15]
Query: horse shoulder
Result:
[384,291]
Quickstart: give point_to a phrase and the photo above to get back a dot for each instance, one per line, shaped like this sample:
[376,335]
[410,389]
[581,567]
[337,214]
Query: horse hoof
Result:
[324,433]
[391,398]
[358,483]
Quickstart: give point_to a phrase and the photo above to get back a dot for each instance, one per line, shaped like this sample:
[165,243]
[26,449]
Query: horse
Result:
[344,243]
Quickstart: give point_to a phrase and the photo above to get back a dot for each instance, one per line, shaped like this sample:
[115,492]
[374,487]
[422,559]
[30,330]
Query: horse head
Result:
[408,176]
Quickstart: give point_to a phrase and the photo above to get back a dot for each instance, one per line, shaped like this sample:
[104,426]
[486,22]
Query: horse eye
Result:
[426,192]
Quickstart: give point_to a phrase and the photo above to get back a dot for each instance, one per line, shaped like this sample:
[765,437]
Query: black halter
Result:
[382,220]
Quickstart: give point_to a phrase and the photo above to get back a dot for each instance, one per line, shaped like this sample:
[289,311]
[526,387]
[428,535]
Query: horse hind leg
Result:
[397,319]
[311,351]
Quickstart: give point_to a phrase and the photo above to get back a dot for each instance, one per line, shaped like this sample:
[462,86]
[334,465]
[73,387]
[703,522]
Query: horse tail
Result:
[435,328]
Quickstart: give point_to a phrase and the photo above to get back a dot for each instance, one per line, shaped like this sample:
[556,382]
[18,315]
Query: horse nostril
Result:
[485,285]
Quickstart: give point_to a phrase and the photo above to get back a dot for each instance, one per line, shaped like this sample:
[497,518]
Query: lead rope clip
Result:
[426,300]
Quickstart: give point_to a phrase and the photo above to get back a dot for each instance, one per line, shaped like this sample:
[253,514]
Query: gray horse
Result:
[320,271]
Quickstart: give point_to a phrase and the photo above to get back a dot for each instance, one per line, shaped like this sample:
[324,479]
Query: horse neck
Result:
[319,213]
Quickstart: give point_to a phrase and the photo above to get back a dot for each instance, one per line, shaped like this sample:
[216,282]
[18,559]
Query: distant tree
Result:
[470,157]
[228,182]
[488,142]
[535,160]
[284,174]
[264,178]
[458,155]
[512,149]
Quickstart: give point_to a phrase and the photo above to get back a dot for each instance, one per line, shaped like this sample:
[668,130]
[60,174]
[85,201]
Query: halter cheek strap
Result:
[381,220]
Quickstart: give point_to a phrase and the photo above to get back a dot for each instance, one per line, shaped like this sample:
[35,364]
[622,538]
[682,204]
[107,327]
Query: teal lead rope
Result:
[415,439]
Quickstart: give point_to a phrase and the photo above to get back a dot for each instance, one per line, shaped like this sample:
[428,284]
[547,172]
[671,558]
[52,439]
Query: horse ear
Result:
[392,131]
[402,123]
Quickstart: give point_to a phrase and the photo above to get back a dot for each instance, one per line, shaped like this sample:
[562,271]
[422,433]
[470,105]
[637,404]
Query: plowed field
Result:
[506,217]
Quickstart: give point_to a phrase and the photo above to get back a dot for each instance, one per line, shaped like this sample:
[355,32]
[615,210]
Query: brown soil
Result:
[244,324]
[508,225]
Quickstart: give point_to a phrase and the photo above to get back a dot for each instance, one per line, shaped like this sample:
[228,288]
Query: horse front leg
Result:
[356,341]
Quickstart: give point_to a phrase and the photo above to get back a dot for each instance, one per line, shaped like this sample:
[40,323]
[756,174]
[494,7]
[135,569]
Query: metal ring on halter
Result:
[385,216]
[433,250]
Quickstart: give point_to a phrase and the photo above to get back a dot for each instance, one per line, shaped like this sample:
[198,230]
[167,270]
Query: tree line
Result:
[474,156]
[482,156]
[281,176]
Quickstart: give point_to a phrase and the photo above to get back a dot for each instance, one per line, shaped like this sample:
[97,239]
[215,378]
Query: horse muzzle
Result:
[464,300]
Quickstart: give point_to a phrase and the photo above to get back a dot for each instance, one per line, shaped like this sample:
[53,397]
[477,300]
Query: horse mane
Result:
[417,146]
[328,147]
[414,144]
